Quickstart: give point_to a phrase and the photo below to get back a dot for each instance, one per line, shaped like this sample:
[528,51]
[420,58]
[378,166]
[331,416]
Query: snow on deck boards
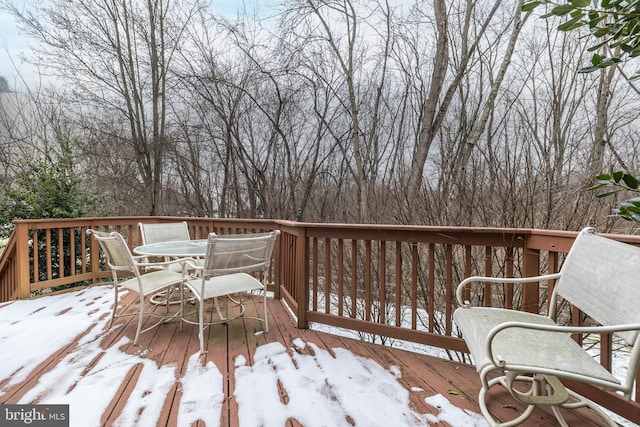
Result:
[57,349]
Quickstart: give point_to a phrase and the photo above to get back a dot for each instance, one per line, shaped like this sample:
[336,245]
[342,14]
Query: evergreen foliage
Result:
[47,188]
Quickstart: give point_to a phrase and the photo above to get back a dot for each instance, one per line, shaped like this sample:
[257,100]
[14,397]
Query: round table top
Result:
[179,248]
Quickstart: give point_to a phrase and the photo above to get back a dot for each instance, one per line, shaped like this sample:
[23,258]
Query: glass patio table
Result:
[177,249]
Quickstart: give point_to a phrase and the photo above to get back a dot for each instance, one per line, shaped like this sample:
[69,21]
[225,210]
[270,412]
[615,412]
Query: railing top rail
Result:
[319,226]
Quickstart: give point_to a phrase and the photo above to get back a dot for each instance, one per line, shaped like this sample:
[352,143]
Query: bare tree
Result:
[465,52]
[115,56]
[343,50]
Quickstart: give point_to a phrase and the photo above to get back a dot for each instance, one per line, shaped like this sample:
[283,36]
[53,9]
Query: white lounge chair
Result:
[228,261]
[119,259]
[601,277]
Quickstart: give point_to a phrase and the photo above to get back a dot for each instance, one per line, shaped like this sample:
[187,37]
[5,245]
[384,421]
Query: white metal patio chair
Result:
[163,232]
[228,261]
[600,276]
[119,259]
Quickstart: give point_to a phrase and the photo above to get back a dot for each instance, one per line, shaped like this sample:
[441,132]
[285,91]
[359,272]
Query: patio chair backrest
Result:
[228,254]
[601,277]
[164,232]
[116,251]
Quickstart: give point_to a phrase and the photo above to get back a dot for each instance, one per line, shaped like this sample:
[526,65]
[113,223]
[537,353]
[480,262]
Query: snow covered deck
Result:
[57,350]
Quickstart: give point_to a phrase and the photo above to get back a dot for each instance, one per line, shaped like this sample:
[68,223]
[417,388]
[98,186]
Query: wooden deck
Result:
[422,375]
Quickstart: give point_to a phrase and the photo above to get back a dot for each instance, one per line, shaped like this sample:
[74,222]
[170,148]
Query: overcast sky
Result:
[13,46]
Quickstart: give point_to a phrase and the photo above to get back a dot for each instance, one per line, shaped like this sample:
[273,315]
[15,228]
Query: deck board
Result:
[169,344]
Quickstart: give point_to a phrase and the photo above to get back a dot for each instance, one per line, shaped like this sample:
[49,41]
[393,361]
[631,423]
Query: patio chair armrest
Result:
[161,263]
[192,263]
[140,259]
[498,361]
[462,285]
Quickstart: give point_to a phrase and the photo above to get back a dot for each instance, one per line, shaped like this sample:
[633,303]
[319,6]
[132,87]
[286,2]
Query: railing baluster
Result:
[36,257]
[398,284]
[48,257]
[61,260]
[354,277]
[315,274]
[508,289]
[431,288]
[328,278]
[448,289]
[488,264]
[340,277]
[382,282]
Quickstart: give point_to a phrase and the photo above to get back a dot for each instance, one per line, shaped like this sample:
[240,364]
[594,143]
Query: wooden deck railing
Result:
[384,282]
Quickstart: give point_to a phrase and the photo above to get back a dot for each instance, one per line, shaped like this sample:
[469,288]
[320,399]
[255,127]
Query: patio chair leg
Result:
[482,401]
[582,402]
[115,306]
[181,305]
[140,318]
[544,391]
[201,325]
[264,304]
[217,304]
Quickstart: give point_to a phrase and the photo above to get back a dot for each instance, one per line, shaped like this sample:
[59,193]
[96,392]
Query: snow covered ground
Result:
[321,394]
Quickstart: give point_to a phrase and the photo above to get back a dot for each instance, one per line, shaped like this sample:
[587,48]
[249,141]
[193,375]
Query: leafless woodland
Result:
[430,112]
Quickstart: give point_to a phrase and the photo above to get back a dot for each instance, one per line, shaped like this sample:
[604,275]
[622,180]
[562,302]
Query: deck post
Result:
[21,234]
[302,278]
[94,254]
[530,267]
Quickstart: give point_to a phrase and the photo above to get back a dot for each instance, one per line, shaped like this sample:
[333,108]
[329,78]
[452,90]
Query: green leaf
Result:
[587,70]
[617,176]
[562,9]
[603,177]
[626,47]
[528,7]
[607,62]
[581,3]
[595,18]
[635,51]
[598,186]
[595,187]
[601,31]
[577,13]
[607,194]
[631,181]
[597,46]
[571,24]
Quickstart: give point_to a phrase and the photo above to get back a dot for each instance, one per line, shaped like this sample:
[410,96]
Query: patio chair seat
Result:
[225,285]
[153,281]
[526,348]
